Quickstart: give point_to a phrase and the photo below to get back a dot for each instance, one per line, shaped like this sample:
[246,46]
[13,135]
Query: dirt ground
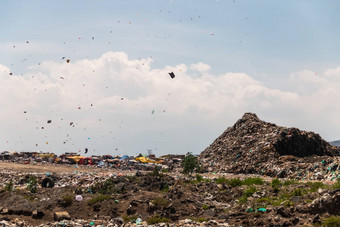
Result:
[163,197]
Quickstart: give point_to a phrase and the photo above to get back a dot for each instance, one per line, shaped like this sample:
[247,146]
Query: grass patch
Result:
[205,207]
[156,219]
[253,180]
[276,183]
[159,201]
[337,184]
[130,218]
[289,182]
[9,186]
[66,201]
[105,187]
[199,219]
[221,180]
[32,184]
[97,199]
[247,193]
[333,221]
[298,192]
[314,186]
[234,182]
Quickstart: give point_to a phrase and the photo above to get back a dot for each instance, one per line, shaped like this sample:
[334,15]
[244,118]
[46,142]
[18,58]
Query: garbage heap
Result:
[252,146]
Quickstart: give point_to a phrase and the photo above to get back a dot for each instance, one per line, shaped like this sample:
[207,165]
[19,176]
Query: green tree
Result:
[190,164]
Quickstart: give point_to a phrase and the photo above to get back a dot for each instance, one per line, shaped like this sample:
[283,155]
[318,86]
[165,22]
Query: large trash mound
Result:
[252,146]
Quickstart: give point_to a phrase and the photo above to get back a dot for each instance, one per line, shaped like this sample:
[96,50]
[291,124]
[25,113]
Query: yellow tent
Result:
[76,158]
[146,160]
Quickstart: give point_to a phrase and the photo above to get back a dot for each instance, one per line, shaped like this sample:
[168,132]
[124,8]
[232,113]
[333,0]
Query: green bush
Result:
[159,201]
[246,193]
[337,184]
[199,178]
[276,183]
[297,192]
[9,186]
[67,200]
[314,186]
[249,191]
[156,219]
[32,184]
[253,180]
[105,187]
[332,221]
[234,182]
[190,164]
[199,219]
[130,218]
[289,182]
[205,207]
[164,170]
[221,180]
[97,199]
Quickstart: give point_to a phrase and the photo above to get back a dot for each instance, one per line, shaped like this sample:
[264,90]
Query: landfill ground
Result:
[108,197]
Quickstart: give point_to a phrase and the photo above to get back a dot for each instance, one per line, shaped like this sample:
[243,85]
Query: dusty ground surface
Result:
[112,199]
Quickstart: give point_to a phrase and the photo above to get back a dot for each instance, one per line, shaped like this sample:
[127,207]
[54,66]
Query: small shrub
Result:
[220,180]
[200,219]
[199,178]
[246,193]
[289,204]
[155,172]
[276,189]
[276,183]
[249,191]
[9,186]
[337,184]
[297,192]
[253,180]
[156,219]
[205,207]
[105,187]
[32,184]
[234,182]
[314,186]
[332,221]
[164,170]
[159,201]
[130,218]
[289,182]
[97,199]
[67,200]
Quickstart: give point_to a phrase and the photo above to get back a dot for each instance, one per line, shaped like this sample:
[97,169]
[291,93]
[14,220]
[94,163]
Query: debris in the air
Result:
[71,123]
[172,75]
[68,60]
[49,121]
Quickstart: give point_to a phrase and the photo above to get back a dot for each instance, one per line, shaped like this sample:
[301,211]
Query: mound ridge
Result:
[255,146]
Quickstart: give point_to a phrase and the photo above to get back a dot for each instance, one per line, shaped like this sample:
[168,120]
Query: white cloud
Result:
[200,67]
[125,103]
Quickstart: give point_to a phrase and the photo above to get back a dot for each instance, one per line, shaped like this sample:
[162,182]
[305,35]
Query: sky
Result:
[95,74]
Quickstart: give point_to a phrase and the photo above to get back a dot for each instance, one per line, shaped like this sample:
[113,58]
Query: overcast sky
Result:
[278,59]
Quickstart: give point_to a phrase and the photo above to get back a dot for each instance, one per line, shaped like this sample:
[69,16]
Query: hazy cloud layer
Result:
[121,105]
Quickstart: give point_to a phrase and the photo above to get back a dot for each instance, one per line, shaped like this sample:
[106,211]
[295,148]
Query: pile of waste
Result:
[252,146]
